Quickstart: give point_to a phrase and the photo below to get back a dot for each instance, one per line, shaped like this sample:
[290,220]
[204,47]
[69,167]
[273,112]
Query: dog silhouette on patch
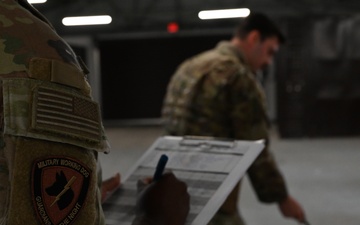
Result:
[57,187]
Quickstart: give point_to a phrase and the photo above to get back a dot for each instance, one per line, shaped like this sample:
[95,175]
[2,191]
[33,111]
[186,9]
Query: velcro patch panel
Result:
[53,112]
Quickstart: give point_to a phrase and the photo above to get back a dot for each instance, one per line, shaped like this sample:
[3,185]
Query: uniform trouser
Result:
[228,213]
[226,219]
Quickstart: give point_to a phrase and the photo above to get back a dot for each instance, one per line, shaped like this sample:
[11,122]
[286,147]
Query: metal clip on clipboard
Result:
[206,143]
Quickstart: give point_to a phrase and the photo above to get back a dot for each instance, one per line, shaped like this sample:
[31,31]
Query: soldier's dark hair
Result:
[260,22]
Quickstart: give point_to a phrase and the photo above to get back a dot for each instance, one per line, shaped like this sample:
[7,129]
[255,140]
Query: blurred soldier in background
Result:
[51,133]
[216,94]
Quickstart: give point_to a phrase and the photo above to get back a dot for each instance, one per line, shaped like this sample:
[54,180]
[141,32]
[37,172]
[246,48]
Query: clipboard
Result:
[210,167]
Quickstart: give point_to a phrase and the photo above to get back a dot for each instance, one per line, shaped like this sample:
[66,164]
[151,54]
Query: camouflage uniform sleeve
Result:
[4,180]
[101,215]
[250,122]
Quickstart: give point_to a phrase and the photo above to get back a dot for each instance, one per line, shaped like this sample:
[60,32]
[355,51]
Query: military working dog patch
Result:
[60,187]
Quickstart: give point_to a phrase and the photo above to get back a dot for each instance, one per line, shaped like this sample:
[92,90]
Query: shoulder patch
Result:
[60,187]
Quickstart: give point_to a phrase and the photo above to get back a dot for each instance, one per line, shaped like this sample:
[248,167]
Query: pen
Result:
[160,167]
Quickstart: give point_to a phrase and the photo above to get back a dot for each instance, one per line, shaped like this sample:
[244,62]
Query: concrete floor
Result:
[323,174]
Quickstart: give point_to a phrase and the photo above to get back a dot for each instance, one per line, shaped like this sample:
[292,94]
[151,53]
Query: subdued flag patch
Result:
[67,114]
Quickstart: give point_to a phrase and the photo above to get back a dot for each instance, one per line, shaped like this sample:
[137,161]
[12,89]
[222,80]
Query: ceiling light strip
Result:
[36,1]
[223,13]
[87,20]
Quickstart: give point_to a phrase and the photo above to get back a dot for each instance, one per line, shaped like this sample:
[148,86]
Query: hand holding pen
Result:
[163,201]
[160,168]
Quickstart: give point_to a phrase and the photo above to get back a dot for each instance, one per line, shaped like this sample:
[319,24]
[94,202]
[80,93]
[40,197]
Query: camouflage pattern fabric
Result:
[51,130]
[4,183]
[216,94]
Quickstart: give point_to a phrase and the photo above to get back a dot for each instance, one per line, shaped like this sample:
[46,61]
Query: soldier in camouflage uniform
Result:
[51,129]
[216,94]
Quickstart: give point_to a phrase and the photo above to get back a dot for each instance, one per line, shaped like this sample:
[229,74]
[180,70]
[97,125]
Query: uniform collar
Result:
[225,47]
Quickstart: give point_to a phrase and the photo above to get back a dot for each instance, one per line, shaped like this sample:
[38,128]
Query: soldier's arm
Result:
[4,182]
[249,119]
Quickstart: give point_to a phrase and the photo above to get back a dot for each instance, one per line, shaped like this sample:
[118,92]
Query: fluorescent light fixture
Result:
[36,1]
[86,20]
[223,13]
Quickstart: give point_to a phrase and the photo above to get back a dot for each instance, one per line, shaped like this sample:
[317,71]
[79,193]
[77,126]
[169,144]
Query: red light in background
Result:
[172,27]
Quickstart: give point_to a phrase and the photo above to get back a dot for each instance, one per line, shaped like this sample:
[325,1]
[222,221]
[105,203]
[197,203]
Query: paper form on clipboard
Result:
[210,167]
